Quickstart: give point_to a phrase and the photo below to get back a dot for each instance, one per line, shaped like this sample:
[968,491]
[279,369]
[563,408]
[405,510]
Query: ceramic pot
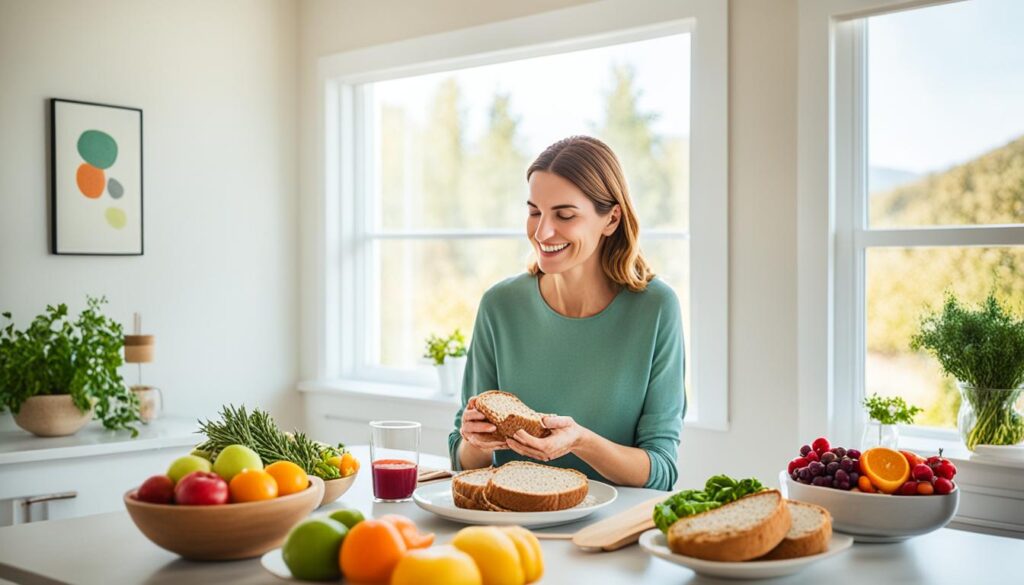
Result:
[450,374]
[51,416]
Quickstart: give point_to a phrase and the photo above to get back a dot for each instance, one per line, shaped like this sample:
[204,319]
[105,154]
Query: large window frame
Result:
[834,231]
[338,327]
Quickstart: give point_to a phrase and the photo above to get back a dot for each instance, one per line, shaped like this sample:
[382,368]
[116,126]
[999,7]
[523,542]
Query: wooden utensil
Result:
[619,530]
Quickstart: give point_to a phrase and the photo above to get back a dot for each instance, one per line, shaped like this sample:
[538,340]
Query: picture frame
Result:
[96,179]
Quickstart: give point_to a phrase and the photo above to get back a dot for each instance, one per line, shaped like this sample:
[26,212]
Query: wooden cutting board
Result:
[619,530]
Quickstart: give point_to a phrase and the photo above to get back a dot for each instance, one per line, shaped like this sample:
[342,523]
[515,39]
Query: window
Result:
[426,148]
[928,142]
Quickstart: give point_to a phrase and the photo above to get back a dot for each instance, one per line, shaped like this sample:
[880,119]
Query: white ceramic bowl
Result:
[876,517]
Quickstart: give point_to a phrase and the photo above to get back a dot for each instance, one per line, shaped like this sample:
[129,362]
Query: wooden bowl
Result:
[334,488]
[226,532]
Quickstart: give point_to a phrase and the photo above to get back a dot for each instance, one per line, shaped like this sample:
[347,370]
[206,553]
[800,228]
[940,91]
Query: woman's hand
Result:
[566,436]
[475,427]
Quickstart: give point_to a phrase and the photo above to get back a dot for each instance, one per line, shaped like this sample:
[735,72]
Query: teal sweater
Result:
[618,373]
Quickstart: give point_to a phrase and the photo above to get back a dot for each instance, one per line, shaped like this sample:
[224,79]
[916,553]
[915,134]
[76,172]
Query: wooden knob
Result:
[138,349]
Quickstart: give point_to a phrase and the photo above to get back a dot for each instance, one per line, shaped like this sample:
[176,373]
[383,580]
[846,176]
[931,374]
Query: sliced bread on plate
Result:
[739,531]
[505,411]
[468,488]
[522,486]
[809,533]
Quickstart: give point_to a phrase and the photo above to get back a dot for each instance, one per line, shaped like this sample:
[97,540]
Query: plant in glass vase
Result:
[449,357]
[983,350]
[884,413]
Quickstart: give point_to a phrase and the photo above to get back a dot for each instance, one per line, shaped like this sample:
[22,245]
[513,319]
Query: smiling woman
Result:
[588,332]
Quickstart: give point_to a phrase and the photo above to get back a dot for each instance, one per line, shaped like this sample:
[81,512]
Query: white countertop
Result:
[108,548]
[19,446]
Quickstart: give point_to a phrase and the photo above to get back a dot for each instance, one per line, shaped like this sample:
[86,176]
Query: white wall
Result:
[762,199]
[218,283]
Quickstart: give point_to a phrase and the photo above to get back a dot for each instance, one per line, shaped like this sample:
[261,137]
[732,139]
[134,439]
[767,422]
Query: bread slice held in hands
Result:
[742,530]
[809,533]
[505,411]
[522,486]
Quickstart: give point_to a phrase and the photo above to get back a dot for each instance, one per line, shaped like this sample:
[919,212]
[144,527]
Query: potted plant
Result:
[449,357]
[57,373]
[983,350]
[883,416]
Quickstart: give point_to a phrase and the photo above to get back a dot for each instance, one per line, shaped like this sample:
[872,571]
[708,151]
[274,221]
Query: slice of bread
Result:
[739,531]
[468,488]
[808,534]
[505,411]
[522,486]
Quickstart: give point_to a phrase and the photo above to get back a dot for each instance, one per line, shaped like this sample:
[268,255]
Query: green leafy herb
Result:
[890,411]
[718,490]
[259,432]
[55,355]
[984,350]
[439,348]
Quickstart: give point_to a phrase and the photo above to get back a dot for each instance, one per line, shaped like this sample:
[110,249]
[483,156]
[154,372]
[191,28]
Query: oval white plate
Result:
[436,497]
[273,562]
[654,542]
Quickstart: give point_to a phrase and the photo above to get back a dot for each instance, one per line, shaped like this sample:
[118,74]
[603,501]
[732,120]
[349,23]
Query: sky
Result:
[945,83]
[562,95]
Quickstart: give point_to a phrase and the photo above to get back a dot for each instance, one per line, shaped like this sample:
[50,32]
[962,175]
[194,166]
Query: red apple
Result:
[158,489]
[201,488]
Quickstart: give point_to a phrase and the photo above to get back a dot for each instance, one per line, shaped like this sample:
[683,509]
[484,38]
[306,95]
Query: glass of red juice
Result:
[394,459]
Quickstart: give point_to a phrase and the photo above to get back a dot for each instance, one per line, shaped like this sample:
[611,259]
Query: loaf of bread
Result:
[742,530]
[519,486]
[506,412]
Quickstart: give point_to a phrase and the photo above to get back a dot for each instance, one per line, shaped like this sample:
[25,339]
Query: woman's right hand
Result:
[475,429]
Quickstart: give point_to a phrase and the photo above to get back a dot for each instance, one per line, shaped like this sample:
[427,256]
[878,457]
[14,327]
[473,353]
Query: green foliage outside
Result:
[58,355]
[904,283]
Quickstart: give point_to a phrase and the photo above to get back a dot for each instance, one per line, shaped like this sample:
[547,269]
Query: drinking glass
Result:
[394,459]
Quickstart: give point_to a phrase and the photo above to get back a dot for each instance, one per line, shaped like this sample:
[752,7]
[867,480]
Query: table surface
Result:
[108,548]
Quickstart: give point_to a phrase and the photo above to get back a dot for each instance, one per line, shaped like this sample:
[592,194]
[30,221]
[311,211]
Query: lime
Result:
[348,516]
[311,550]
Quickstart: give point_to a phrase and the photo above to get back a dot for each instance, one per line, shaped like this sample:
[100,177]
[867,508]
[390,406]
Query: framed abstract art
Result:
[96,179]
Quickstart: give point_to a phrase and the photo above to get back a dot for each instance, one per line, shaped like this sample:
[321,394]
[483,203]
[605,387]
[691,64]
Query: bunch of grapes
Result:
[825,466]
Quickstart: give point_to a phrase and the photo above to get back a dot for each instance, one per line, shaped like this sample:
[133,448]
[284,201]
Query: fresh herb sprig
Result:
[984,350]
[890,410]
[258,431]
[718,490]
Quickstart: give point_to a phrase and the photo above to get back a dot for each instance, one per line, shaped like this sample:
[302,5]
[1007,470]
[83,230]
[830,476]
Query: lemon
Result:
[439,565]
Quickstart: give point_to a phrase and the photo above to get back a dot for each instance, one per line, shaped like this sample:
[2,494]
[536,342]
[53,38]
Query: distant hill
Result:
[882,179]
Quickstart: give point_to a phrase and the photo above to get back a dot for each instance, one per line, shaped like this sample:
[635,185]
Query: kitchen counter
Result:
[107,548]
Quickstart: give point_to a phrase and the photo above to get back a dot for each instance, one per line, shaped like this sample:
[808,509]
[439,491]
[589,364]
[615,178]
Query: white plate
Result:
[654,542]
[436,497]
[273,561]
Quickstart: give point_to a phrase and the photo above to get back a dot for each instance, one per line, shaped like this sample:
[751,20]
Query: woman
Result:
[587,332]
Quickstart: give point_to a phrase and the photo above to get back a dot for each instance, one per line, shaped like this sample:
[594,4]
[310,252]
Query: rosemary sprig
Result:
[258,431]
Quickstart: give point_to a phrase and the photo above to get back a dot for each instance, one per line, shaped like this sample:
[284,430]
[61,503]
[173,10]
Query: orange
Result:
[864,484]
[887,468]
[371,551]
[252,485]
[348,464]
[410,534]
[290,477]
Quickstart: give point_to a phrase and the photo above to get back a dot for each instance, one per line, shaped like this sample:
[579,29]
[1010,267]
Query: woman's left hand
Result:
[565,436]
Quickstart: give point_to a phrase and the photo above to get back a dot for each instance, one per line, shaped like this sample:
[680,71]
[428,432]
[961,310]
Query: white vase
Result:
[450,374]
[878,435]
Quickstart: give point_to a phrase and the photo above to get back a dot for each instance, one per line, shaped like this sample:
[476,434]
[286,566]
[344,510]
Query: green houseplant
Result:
[57,360]
[983,349]
[449,357]
[884,413]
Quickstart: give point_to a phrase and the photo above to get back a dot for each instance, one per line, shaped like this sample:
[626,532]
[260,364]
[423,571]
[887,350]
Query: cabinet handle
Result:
[45,498]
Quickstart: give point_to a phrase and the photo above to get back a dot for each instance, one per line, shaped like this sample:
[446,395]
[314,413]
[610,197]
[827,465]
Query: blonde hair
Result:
[591,165]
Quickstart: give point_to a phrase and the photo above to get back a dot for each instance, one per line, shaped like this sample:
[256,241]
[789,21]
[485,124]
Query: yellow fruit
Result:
[439,565]
[530,554]
[495,554]
[348,464]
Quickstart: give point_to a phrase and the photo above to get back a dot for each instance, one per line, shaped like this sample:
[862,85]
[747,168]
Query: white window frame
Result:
[332,327]
[834,232]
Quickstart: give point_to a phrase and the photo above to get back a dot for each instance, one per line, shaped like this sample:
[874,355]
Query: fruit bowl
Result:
[335,488]
[876,517]
[224,532]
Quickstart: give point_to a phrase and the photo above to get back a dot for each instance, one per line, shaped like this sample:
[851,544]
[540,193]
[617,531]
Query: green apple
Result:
[348,516]
[233,459]
[311,549]
[185,465]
